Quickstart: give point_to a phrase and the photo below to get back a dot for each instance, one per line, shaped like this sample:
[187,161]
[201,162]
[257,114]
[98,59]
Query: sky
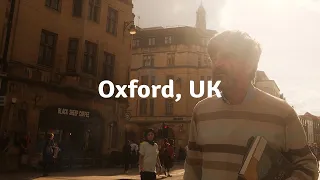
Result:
[288,31]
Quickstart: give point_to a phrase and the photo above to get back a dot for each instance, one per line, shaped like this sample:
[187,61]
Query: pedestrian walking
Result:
[134,154]
[48,154]
[167,156]
[221,127]
[149,156]
[126,156]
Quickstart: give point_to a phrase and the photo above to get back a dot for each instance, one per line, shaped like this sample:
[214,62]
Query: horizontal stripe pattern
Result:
[258,117]
[219,132]
[218,148]
[214,165]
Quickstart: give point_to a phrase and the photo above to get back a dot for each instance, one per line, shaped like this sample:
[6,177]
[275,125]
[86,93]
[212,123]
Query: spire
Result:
[201,17]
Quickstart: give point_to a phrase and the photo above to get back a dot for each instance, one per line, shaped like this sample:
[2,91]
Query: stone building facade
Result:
[161,54]
[267,85]
[59,52]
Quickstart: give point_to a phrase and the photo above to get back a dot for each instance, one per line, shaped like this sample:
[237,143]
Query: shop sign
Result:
[73,112]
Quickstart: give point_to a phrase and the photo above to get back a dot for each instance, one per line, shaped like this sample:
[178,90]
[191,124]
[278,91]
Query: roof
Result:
[313,117]
[261,75]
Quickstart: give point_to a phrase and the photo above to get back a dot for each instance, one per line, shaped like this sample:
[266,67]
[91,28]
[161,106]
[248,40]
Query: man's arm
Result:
[193,163]
[298,151]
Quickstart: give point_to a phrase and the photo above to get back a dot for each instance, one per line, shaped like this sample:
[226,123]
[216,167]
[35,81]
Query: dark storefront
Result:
[76,130]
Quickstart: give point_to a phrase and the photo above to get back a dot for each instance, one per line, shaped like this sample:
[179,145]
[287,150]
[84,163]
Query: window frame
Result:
[45,46]
[112,21]
[72,52]
[75,2]
[171,57]
[94,10]
[108,75]
[94,56]
[143,108]
[168,40]
[50,4]
[146,58]
[152,42]
[169,105]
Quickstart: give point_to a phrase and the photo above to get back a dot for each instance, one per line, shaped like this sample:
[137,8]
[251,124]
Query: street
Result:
[99,174]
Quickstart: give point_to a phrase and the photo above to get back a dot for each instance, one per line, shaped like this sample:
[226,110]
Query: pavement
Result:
[96,174]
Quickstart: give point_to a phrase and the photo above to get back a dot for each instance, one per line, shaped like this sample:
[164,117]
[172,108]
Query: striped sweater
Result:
[219,133]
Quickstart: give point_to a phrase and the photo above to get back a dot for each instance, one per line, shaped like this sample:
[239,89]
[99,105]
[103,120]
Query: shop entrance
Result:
[77,132]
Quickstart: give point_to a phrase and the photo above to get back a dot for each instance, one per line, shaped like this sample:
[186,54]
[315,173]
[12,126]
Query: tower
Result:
[201,18]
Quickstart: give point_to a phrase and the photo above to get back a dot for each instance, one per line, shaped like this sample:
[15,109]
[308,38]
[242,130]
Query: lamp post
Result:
[128,26]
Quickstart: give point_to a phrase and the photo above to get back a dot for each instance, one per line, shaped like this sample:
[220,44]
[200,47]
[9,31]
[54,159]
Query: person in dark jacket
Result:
[127,156]
[168,154]
[48,153]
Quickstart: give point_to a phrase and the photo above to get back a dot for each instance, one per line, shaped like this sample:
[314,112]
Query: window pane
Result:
[55,4]
[96,13]
[41,53]
[77,7]
[73,44]
[43,38]
[90,12]
[71,61]
[50,40]
[48,56]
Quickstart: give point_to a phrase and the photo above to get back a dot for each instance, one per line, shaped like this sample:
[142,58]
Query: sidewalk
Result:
[88,174]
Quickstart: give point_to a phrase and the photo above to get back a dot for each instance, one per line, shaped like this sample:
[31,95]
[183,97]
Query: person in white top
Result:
[149,157]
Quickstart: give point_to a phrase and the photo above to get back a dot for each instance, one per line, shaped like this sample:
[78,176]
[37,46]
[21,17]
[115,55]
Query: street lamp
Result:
[129,25]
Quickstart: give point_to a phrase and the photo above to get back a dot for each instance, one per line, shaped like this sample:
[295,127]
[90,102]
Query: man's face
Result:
[230,68]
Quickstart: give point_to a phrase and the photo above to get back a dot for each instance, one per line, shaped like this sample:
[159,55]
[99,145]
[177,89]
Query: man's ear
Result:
[249,68]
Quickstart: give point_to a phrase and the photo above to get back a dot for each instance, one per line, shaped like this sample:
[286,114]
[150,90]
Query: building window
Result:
[202,78]
[72,54]
[143,106]
[47,48]
[54,4]
[90,55]
[108,66]
[204,41]
[144,80]
[77,8]
[170,77]
[171,59]
[199,60]
[168,40]
[151,107]
[112,21]
[152,41]
[94,10]
[153,80]
[209,78]
[148,60]
[136,43]
[169,106]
